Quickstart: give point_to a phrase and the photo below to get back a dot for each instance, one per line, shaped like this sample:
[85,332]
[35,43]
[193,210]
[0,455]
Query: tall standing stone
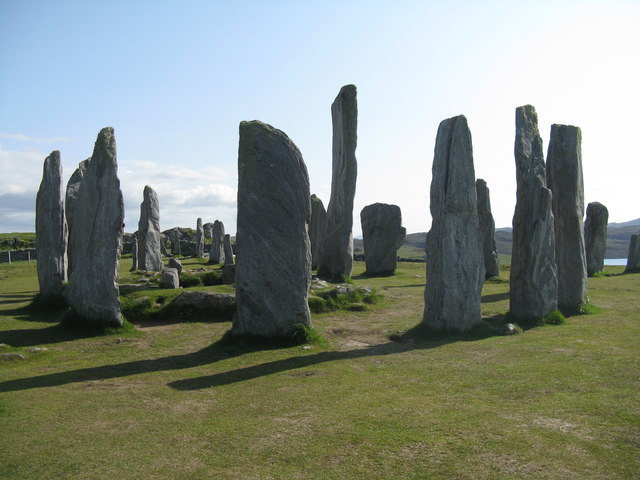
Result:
[134,252]
[534,277]
[199,239]
[71,197]
[487,230]
[317,229]
[633,259]
[97,242]
[337,247]
[564,179]
[228,250]
[149,236]
[455,267]
[51,229]
[382,235]
[174,235]
[595,236]
[273,270]
[229,268]
[216,251]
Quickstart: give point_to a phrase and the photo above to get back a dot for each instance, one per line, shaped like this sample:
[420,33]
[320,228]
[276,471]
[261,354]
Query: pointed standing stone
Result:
[564,179]
[487,230]
[455,267]
[382,235]
[73,187]
[595,236]
[51,229]
[149,236]
[199,239]
[216,251]
[273,270]
[337,247]
[534,278]
[317,229]
[93,288]
[633,259]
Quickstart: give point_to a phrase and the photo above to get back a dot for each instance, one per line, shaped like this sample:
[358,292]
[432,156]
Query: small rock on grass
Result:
[11,356]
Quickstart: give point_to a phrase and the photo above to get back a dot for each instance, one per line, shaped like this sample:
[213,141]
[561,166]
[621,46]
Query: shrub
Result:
[187,280]
[212,278]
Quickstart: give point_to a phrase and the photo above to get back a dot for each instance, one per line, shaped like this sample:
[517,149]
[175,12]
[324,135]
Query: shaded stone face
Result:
[564,179]
[228,250]
[534,278]
[337,247]
[175,236]
[382,235]
[97,242]
[51,229]
[170,278]
[633,259]
[175,263]
[455,266]
[134,252]
[149,236]
[487,230]
[73,187]
[216,251]
[199,239]
[273,269]
[595,236]
[317,229]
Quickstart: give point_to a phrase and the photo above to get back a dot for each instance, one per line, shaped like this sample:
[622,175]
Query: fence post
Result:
[9,254]
[28,256]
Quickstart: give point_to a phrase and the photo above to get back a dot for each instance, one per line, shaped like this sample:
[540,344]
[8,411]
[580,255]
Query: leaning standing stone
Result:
[51,229]
[337,247]
[595,236]
[216,251]
[564,178]
[487,230]
[455,267]
[382,235]
[199,239]
[73,187]
[149,236]
[633,259]
[273,271]
[317,229]
[93,288]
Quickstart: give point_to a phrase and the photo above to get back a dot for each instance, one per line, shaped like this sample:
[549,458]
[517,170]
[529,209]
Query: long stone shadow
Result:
[30,337]
[495,297]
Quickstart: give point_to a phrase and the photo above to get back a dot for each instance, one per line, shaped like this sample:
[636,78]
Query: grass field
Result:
[169,401]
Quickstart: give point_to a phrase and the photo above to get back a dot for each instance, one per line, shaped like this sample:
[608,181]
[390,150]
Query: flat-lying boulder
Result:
[206,301]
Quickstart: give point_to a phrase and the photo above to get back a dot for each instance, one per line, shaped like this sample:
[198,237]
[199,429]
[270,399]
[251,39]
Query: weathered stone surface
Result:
[382,235]
[206,301]
[174,236]
[149,236]
[273,270]
[98,222]
[229,274]
[175,263]
[595,236]
[455,267]
[487,230]
[163,247]
[51,229]
[207,228]
[134,252]
[633,259]
[564,179]
[170,278]
[534,278]
[317,229]
[73,187]
[216,251]
[199,239]
[228,250]
[337,246]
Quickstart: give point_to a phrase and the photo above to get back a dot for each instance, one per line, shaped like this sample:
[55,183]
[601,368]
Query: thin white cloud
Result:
[26,138]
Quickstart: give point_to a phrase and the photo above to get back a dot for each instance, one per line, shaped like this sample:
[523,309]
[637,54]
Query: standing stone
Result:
[175,235]
[595,236]
[216,251]
[71,197]
[199,239]
[633,259]
[455,268]
[207,228]
[134,252]
[564,179]
[175,263]
[51,229]
[317,229]
[534,278]
[228,250]
[170,278]
[149,236]
[229,268]
[382,235]
[163,247]
[273,271]
[337,247]
[487,230]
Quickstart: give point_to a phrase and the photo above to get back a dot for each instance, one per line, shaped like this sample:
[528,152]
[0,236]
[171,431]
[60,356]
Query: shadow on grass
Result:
[414,285]
[495,297]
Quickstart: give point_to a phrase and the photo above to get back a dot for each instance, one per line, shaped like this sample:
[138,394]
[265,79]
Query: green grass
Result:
[174,401]
[28,238]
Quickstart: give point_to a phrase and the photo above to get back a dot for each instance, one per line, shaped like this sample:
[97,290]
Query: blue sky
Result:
[175,79]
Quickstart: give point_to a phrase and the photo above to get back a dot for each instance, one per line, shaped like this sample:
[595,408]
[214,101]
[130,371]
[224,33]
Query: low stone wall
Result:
[9,256]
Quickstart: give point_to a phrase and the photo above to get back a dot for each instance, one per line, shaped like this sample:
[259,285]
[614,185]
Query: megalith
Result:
[337,247]
[51,229]
[455,266]
[228,250]
[487,230]
[174,236]
[633,259]
[71,197]
[149,236]
[216,251]
[199,239]
[564,179]
[382,235]
[134,252]
[229,268]
[317,229]
[97,242]
[595,236]
[273,267]
[533,278]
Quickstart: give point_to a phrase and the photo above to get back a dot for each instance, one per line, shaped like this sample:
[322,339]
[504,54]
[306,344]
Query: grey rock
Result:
[228,250]
[510,329]
[205,301]
[317,229]
[337,246]
[273,269]
[134,252]
[149,236]
[11,356]
[51,229]
[174,236]
[534,278]
[71,197]
[170,278]
[455,266]
[382,236]
[595,236]
[36,349]
[199,239]
[98,222]
[175,263]
[633,259]
[208,230]
[487,230]
[163,247]
[216,251]
[564,179]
